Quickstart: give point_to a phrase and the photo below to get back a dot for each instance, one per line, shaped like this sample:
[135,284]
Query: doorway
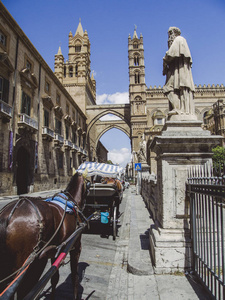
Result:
[22,173]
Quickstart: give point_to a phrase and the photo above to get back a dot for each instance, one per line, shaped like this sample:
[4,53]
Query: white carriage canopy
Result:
[101,169]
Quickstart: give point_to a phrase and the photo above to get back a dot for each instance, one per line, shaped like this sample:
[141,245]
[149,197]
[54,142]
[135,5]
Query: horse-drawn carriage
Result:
[32,230]
[105,192]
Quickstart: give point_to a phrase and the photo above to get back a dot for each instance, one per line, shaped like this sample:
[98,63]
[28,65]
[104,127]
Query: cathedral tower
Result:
[137,90]
[75,73]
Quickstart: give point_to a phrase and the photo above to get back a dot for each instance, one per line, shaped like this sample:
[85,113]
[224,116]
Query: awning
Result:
[101,169]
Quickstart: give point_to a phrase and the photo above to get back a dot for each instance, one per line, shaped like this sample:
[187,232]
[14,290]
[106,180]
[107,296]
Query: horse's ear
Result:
[85,173]
[74,171]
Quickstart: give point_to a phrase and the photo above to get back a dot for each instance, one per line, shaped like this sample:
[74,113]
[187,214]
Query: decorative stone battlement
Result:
[210,87]
[200,90]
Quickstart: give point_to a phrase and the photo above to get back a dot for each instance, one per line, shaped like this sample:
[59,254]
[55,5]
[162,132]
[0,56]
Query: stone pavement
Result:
[133,278]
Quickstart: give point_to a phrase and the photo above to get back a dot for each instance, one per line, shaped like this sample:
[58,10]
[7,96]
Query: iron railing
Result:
[27,121]
[207,213]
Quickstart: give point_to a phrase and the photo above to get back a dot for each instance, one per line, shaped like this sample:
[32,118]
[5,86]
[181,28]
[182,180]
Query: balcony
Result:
[58,139]
[5,111]
[27,123]
[68,144]
[80,150]
[85,152]
[75,147]
[47,133]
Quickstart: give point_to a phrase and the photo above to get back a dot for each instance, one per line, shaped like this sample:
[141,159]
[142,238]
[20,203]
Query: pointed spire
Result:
[85,33]
[59,51]
[92,76]
[79,29]
[135,32]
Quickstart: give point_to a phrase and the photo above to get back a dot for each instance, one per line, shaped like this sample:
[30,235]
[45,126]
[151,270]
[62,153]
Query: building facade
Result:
[42,125]
[149,106]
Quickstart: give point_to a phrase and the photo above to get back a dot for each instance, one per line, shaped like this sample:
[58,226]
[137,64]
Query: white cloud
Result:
[117,98]
[120,156]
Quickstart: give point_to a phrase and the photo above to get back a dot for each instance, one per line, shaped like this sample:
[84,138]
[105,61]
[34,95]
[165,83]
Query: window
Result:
[60,160]
[67,132]
[2,38]
[135,45]
[64,71]
[58,126]
[47,87]
[73,114]
[159,121]
[67,109]
[137,78]
[71,71]
[205,117]
[74,137]
[28,65]
[77,48]
[4,89]
[26,104]
[84,142]
[76,70]
[58,99]
[136,61]
[46,118]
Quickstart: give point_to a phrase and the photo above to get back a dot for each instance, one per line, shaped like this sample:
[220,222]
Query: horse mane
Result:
[73,182]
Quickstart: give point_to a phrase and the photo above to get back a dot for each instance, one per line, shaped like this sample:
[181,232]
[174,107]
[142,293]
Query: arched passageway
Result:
[118,144]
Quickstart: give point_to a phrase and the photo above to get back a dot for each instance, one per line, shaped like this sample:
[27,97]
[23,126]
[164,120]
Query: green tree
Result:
[218,157]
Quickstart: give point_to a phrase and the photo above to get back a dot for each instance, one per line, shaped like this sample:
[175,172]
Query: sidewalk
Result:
[142,282]
[133,276]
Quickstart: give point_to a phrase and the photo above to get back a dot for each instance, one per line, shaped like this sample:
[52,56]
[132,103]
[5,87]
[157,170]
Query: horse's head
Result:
[78,188]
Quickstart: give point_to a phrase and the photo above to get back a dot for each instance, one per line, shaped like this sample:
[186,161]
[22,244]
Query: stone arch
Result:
[203,112]
[24,152]
[77,41]
[111,126]
[138,98]
[104,113]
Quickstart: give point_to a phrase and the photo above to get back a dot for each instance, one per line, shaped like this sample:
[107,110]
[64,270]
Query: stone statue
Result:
[179,87]
[141,154]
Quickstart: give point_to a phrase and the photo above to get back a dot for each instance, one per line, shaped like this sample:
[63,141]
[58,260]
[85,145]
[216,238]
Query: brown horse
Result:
[29,225]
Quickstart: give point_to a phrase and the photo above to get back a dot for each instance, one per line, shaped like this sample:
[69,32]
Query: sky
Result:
[47,24]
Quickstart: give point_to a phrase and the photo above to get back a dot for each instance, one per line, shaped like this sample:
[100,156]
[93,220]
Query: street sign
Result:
[137,167]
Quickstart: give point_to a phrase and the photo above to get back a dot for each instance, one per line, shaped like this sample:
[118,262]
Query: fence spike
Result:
[198,170]
[206,170]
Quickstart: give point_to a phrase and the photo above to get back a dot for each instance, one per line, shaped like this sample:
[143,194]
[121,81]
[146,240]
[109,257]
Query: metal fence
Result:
[207,213]
[149,193]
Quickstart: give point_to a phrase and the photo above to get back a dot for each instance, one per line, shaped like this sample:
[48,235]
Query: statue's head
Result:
[173,32]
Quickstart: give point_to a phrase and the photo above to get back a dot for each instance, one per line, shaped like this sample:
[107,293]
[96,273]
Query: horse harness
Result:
[37,249]
[73,206]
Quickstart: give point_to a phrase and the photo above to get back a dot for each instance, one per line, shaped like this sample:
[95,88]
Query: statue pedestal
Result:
[182,144]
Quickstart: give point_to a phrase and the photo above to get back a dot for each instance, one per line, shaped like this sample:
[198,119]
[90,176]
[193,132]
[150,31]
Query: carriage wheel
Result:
[114,223]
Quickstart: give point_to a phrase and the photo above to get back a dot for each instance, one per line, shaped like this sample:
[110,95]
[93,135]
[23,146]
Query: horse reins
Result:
[37,251]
